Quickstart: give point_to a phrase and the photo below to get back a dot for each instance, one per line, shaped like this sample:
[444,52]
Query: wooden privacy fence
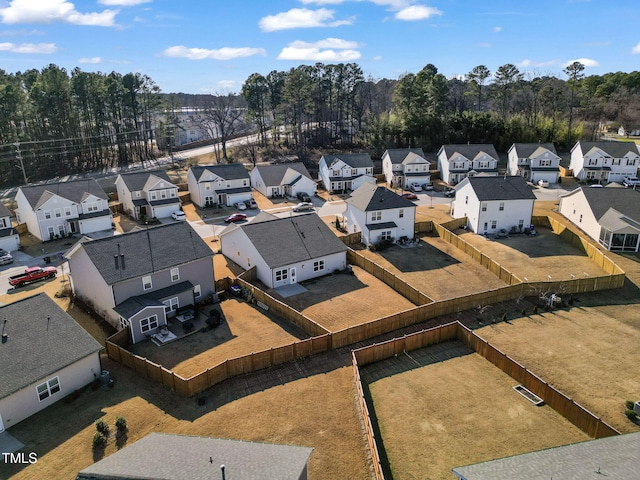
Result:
[351,238]
[423,227]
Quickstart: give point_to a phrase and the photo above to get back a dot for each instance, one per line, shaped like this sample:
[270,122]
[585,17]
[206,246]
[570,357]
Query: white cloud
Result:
[122,3]
[587,62]
[497,29]
[28,47]
[537,64]
[322,2]
[636,49]
[377,58]
[327,50]
[417,12]
[225,53]
[92,60]
[301,18]
[226,84]
[51,11]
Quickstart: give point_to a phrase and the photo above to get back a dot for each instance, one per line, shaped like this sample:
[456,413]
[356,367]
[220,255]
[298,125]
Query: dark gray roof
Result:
[610,457]
[283,241]
[624,200]
[227,171]
[614,149]
[42,339]
[161,456]
[274,174]
[85,216]
[368,198]
[136,181]
[501,188]
[354,160]
[524,150]
[5,232]
[133,305]
[470,150]
[4,211]
[381,226]
[146,251]
[75,191]
[397,155]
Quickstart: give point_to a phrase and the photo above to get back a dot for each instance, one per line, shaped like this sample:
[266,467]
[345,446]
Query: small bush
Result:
[535,309]
[504,317]
[103,428]
[121,424]
[629,404]
[631,415]
[523,311]
[99,440]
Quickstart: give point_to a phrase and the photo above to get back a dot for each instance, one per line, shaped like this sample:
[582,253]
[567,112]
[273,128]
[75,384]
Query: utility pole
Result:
[19,158]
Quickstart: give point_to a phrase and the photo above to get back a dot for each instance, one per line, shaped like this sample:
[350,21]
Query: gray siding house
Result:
[44,356]
[9,238]
[141,278]
[225,184]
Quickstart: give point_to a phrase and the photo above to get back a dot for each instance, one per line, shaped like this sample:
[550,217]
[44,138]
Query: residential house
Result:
[139,279]
[282,180]
[610,216]
[404,166]
[604,162]
[147,194]
[345,172]
[284,250]
[379,214]
[494,203]
[186,457]
[225,184]
[58,209]
[456,162]
[534,162]
[45,356]
[9,237]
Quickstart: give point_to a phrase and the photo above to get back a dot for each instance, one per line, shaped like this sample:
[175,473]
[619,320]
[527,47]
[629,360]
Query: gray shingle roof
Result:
[136,181]
[614,149]
[397,155]
[624,200]
[4,211]
[227,171]
[501,188]
[283,241]
[524,150]
[470,150]
[274,174]
[133,305]
[611,457]
[36,348]
[180,457]
[354,160]
[369,198]
[146,251]
[74,191]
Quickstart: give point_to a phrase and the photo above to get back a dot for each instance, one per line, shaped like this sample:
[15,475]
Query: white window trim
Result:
[51,387]
[318,266]
[144,284]
[171,304]
[197,291]
[146,324]
[175,274]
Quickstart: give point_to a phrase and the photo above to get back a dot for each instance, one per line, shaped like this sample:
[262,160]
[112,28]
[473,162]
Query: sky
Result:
[212,46]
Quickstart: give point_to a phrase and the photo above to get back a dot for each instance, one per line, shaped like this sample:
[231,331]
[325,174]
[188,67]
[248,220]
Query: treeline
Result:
[334,105]
[53,123]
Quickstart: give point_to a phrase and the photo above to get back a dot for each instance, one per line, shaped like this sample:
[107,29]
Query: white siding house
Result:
[534,162]
[284,250]
[9,237]
[610,216]
[345,172]
[404,166]
[457,162]
[147,194]
[282,180]
[225,184]
[603,162]
[494,203]
[379,214]
[56,210]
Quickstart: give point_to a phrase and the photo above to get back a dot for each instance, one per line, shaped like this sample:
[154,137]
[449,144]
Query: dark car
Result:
[235,217]
[303,197]
[409,196]
[450,192]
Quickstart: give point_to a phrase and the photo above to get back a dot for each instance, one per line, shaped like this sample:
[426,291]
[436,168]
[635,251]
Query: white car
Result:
[415,187]
[631,181]
[241,206]
[178,215]
[5,257]
[543,183]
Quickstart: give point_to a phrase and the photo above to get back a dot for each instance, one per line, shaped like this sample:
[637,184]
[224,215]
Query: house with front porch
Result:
[284,250]
[55,210]
[603,162]
[379,214]
[45,355]
[345,172]
[9,237]
[282,180]
[224,184]
[457,162]
[147,194]
[610,216]
[404,166]
[534,162]
[494,203]
[141,278]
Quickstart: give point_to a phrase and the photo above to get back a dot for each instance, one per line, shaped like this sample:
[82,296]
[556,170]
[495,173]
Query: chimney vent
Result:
[115,259]
[5,337]
[122,260]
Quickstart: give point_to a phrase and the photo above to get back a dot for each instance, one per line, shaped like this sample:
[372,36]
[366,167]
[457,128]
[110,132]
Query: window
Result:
[545,163]
[593,161]
[57,212]
[47,214]
[244,183]
[484,206]
[335,173]
[631,161]
[92,207]
[175,274]
[124,323]
[163,194]
[616,161]
[591,175]
[424,168]
[494,224]
[146,283]
[48,388]
[458,165]
[376,216]
[318,266]
[401,213]
[466,200]
[61,230]
[282,275]
[483,164]
[385,235]
[153,195]
[197,291]
[520,224]
[138,194]
[171,304]
[67,211]
[580,220]
[207,185]
[149,323]
[173,193]
[501,208]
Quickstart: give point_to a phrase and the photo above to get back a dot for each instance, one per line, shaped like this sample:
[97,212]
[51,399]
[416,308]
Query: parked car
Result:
[415,187]
[450,192]
[302,207]
[31,275]
[251,203]
[596,185]
[5,257]
[303,197]
[235,217]
[241,206]
[631,181]
[543,183]
[410,196]
[427,187]
[178,215]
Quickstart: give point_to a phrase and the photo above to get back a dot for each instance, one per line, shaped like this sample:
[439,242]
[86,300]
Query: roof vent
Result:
[5,337]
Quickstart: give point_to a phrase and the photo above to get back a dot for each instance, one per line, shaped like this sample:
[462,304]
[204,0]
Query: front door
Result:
[73,225]
[292,275]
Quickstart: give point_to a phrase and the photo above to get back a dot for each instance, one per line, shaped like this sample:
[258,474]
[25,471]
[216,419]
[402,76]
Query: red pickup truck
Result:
[32,274]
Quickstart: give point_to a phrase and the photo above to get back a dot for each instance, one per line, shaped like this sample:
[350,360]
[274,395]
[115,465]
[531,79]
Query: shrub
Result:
[631,415]
[629,404]
[504,317]
[121,424]
[103,428]
[99,440]
[535,309]
[524,311]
